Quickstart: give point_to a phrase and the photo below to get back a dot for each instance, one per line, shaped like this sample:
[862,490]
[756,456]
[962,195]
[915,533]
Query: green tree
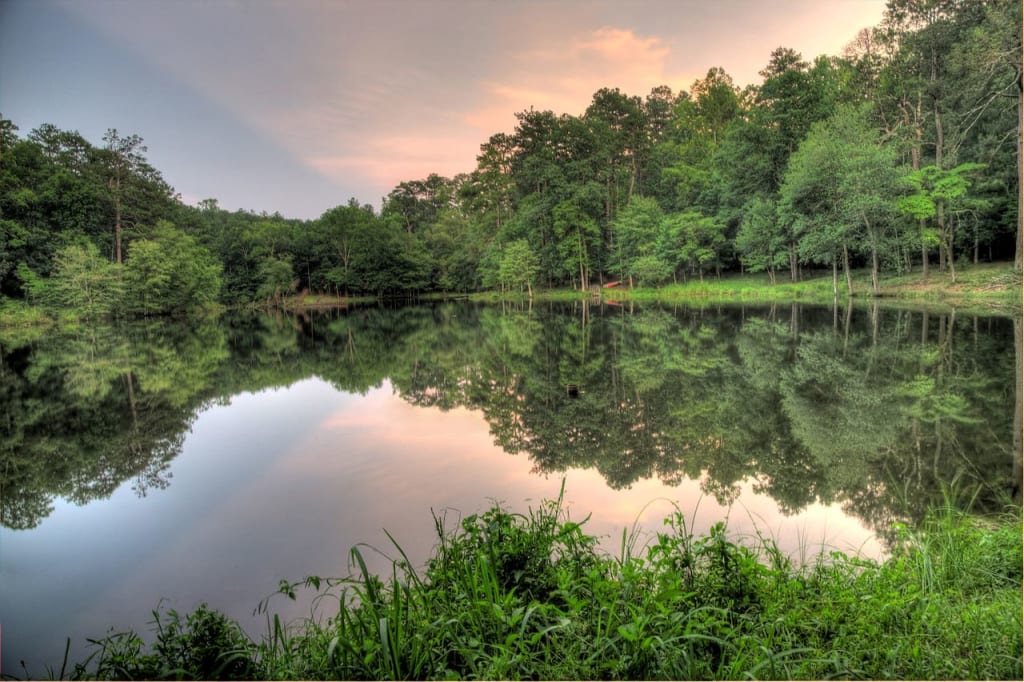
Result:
[454,249]
[936,192]
[519,266]
[169,272]
[985,110]
[276,278]
[341,238]
[137,191]
[637,226]
[761,240]
[417,203]
[85,282]
[841,189]
[578,240]
[694,241]
[650,269]
[794,95]
[686,156]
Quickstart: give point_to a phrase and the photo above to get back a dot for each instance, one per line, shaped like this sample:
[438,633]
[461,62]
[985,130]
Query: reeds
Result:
[508,595]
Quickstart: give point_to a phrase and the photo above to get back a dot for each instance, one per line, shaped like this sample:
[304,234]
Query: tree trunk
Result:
[915,164]
[835,277]
[1018,258]
[924,254]
[947,240]
[874,253]
[846,271]
[1018,455]
[874,269]
[117,221]
[874,324]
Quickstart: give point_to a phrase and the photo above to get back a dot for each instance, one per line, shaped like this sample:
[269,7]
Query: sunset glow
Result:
[295,107]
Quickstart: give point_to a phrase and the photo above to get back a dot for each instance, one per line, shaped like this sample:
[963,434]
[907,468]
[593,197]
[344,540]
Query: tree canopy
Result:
[902,153]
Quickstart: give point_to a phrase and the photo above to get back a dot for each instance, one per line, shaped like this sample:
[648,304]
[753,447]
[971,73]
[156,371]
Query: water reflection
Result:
[883,411]
[269,445]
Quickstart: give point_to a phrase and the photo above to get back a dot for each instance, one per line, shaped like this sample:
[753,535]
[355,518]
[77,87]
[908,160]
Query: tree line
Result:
[899,155]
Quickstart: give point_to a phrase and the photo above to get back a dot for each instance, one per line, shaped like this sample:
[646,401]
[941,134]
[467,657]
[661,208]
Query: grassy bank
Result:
[15,313]
[309,301]
[992,285]
[507,596]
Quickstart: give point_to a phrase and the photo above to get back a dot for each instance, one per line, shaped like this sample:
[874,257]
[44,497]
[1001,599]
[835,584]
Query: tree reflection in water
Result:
[885,411]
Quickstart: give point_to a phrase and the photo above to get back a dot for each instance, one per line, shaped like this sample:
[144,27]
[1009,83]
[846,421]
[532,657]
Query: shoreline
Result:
[988,287]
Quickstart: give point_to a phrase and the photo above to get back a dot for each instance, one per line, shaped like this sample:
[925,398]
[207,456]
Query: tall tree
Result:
[936,193]
[342,237]
[638,226]
[841,184]
[697,129]
[138,193]
[519,266]
[761,241]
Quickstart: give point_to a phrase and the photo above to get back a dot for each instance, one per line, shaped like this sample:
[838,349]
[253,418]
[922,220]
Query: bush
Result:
[206,645]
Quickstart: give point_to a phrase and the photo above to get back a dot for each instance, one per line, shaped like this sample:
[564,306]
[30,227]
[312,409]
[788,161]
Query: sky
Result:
[295,106]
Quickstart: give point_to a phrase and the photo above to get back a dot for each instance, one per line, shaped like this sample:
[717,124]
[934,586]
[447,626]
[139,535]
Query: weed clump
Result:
[204,645]
[509,595]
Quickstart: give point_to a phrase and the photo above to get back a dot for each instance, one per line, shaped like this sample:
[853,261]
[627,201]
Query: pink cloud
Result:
[389,159]
[563,77]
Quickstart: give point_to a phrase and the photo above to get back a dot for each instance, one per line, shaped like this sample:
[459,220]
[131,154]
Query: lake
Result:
[167,464]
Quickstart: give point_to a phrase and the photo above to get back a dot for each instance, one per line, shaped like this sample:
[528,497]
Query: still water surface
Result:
[205,461]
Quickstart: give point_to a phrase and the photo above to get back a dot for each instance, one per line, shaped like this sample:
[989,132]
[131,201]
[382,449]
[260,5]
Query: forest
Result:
[900,155]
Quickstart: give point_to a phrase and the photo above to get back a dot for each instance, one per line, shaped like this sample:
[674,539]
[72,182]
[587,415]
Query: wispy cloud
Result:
[367,94]
[564,76]
[387,159]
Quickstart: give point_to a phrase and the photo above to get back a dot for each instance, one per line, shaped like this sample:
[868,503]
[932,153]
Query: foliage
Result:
[761,241]
[693,241]
[519,266]
[530,596]
[170,272]
[275,278]
[839,189]
[204,645]
[83,280]
[99,406]
[934,193]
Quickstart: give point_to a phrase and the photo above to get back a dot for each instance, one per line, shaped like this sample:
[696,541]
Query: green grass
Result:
[992,286]
[17,313]
[302,302]
[511,596]
[988,283]
[732,287]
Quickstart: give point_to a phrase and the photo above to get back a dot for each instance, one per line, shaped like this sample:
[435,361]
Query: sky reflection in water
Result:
[282,483]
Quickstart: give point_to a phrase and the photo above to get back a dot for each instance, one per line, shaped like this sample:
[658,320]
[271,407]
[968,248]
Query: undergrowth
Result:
[521,596]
